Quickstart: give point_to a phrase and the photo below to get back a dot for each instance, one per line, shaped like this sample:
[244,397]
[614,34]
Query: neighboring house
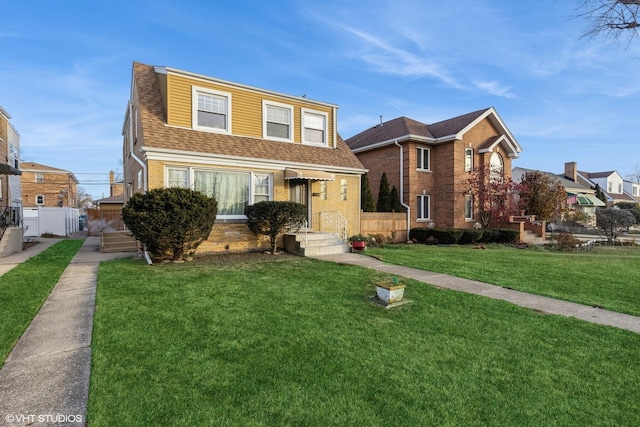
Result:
[632,189]
[429,164]
[10,196]
[47,186]
[242,145]
[611,183]
[580,197]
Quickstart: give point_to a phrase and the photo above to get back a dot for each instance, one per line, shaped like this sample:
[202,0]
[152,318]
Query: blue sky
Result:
[65,70]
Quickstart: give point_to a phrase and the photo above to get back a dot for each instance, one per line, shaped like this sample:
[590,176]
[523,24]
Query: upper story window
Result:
[211,110]
[39,177]
[277,121]
[496,166]
[314,127]
[620,188]
[468,159]
[610,187]
[422,160]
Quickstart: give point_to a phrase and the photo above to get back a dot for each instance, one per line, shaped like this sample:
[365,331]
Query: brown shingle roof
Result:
[404,126]
[157,134]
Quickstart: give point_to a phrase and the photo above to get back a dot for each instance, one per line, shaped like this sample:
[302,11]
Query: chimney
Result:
[111,177]
[571,171]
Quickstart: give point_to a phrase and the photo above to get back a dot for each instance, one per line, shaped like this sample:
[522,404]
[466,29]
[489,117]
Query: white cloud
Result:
[494,88]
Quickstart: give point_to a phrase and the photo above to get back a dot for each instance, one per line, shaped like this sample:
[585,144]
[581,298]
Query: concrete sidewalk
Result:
[45,379]
[535,302]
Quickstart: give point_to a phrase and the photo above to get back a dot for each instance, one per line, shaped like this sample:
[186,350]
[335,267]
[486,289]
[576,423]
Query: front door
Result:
[299,193]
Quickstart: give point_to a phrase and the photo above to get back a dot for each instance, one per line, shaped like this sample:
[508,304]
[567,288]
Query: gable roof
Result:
[404,128]
[564,181]
[161,138]
[37,167]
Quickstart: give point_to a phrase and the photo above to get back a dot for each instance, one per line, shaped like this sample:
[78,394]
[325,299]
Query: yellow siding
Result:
[246,107]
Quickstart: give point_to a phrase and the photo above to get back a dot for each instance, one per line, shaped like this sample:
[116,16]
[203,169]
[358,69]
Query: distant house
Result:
[242,145]
[610,182]
[580,197]
[429,163]
[47,186]
[10,196]
[50,201]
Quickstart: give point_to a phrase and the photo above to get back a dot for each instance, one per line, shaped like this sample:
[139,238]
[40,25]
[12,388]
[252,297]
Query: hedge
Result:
[458,236]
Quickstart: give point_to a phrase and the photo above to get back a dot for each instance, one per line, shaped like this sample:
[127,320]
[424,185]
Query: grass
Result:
[606,276]
[24,289]
[296,342]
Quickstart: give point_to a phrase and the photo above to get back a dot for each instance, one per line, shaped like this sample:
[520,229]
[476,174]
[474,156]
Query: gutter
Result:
[132,151]
[407,207]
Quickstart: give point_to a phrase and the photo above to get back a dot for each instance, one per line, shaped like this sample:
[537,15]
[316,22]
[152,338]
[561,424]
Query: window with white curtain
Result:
[314,127]
[177,177]
[261,188]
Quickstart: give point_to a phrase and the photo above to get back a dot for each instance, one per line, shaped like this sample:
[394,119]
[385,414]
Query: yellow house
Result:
[242,145]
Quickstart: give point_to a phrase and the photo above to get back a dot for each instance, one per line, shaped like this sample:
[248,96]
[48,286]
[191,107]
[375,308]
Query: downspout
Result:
[407,207]
[145,253]
[132,151]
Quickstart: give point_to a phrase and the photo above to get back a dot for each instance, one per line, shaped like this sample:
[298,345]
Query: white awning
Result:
[308,174]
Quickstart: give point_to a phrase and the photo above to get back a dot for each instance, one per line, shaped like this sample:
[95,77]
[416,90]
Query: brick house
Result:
[242,145]
[10,196]
[429,163]
[47,186]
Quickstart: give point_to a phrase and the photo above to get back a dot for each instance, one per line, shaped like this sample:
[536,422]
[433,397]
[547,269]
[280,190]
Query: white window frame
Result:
[42,202]
[195,91]
[304,112]
[468,159]
[343,189]
[265,108]
[468,198]
[420,211]
[253,193]
[167,180]
[39,177]
[139,179]
[251,174]
[420,150]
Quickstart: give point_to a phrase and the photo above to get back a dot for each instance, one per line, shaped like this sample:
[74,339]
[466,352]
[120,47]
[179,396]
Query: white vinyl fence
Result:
[56,221]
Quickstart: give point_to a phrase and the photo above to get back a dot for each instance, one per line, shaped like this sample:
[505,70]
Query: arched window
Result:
[496,167]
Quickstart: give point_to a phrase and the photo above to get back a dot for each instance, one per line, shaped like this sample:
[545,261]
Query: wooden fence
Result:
[391,226]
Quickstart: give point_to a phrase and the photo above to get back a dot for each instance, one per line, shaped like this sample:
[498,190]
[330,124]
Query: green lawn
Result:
[24,289]
[606,276]
[295,341]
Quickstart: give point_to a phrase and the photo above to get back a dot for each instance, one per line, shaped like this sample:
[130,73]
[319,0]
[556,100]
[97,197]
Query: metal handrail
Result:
[341,224]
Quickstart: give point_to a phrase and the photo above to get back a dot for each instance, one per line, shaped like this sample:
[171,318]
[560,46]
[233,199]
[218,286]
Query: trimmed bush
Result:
[271,218]
[171,221]
[457,236]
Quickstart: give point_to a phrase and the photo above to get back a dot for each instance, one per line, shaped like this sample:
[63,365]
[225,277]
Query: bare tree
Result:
[635,175]
[610,18]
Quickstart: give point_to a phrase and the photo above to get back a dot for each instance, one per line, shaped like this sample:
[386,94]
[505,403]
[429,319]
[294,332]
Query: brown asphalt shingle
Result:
[403,126]
[157,134]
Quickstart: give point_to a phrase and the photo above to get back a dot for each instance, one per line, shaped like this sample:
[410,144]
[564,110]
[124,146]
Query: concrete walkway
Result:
[45,379]
[535,302]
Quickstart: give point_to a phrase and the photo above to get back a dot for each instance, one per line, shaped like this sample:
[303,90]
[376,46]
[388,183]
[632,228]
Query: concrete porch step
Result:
[316,244]
[118,241]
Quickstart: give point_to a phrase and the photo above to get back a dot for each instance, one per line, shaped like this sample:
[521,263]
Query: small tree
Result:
[542,195]
[384,195]
[396,206]
[612,221]
[600,194]
[170,220]
[494,196]
[271,218]
[366,197]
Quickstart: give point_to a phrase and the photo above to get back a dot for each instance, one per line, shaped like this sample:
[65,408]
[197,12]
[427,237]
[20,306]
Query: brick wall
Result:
[53,186]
